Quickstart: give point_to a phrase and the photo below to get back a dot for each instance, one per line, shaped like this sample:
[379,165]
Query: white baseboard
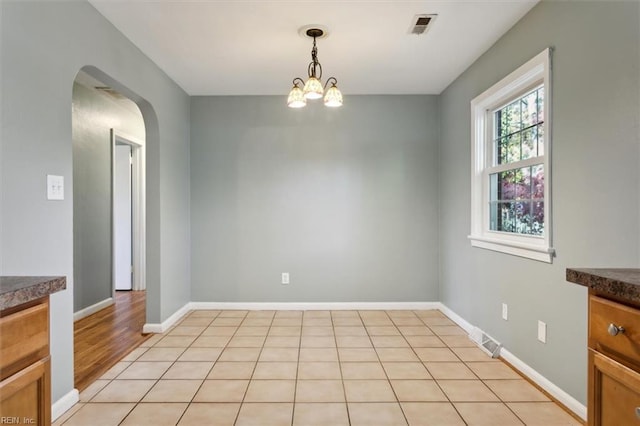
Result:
[168,323]
[567,400]
[59,407]
[456,318]
[92,309]
[570,402]
[314,306]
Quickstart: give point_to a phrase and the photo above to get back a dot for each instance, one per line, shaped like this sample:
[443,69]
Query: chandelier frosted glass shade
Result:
[333,97]
[296,97]
[313,87]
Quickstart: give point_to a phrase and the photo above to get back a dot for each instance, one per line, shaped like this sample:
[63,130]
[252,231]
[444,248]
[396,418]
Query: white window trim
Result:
[533,73]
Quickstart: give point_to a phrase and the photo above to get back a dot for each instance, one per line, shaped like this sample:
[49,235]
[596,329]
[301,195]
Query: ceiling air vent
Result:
[421,23]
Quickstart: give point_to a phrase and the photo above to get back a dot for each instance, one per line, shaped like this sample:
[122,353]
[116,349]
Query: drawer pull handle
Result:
[614,330]
[638,412]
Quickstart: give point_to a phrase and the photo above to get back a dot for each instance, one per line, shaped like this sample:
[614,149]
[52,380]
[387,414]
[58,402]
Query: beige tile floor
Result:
[326,368]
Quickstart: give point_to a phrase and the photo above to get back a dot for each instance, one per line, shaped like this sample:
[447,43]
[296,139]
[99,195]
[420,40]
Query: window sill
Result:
[529,251]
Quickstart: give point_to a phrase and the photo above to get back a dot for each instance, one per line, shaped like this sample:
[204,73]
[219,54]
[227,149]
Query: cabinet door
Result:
[614,393]
[25,397]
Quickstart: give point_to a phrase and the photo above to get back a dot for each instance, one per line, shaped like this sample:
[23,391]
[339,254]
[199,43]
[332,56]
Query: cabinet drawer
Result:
[24,338]
[605,315]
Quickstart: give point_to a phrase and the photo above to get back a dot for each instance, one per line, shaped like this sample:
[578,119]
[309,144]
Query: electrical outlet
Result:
[285,278]
[542,332]
[505,312]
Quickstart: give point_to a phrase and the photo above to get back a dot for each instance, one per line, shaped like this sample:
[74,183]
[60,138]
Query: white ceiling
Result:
[241,47]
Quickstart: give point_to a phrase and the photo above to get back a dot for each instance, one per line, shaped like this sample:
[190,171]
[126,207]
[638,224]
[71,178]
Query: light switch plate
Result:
[285,278]
[542,332]
[55,187]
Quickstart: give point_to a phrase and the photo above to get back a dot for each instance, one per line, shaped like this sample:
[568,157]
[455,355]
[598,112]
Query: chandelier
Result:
[313,88]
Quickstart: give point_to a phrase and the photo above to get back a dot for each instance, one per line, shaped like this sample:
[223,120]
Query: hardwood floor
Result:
[103,338]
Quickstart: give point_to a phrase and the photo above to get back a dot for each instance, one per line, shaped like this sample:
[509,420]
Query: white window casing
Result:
[536,72]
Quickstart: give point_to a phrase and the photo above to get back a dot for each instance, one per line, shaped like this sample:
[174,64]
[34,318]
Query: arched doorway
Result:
[109,313]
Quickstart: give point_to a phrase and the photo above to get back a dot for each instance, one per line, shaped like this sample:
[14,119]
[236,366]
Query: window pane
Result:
[493,187]
[529,108]
[540,136]
[501,147]
[537,182]
[530,143]
[493,216]
[537,219]
[511,185]
[540,102]
[506,217]
[522,210]
[508,119]
[517,200]
[509,150]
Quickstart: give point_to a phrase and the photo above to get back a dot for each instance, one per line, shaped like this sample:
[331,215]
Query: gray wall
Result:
[94,115]
[595,185]
[43,46]
[344,200]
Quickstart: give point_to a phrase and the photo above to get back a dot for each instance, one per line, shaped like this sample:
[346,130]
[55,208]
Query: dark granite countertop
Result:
[619,283]
[15,291]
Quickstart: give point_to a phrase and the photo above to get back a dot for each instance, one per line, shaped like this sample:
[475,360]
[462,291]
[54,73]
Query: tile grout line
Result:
[295,386]
[395,394]
[344,389]
[244,395]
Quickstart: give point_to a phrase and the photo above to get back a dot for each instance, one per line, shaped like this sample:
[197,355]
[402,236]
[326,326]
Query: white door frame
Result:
[138,204]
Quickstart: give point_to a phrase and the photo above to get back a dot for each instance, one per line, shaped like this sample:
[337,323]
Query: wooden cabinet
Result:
[25,370]
[614,363]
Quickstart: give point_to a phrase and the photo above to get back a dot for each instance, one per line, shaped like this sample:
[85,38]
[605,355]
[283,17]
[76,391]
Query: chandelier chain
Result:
[315,65]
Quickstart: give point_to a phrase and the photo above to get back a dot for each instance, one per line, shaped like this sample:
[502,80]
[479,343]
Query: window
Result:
[510,191]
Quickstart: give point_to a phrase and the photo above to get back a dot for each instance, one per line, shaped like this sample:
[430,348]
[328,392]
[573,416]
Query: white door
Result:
[122,218]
